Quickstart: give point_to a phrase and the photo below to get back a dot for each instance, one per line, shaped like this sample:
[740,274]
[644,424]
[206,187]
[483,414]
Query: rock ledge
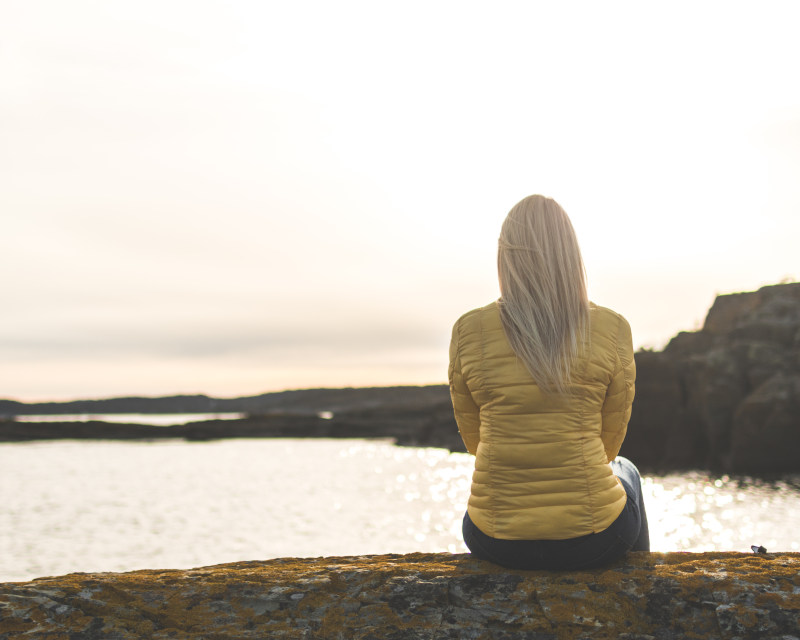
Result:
[658,596]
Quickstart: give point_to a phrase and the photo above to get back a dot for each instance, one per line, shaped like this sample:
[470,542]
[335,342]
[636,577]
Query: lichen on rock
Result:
[674,595]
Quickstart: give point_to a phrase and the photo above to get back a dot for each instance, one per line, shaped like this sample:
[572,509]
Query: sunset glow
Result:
[230,199]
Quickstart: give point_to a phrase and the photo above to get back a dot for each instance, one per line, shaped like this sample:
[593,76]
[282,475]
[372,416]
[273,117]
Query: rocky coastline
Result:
[725,398]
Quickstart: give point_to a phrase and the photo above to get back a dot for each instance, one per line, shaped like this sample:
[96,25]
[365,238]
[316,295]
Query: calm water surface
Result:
[117,506]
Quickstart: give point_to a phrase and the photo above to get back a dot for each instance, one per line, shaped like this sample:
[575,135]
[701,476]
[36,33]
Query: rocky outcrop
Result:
[726,397]
[644,597]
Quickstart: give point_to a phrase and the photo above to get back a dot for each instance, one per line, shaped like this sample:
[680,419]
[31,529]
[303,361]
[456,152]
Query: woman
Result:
[542,383]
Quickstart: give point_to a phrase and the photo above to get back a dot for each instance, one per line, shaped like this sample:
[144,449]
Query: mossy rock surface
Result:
[661,596]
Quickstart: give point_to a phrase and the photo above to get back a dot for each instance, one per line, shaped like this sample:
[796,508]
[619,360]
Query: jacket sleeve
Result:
[619,394]
[466,411]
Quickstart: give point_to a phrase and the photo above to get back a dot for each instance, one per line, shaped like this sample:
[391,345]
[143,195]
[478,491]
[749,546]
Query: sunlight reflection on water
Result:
[116,506]
[697,512]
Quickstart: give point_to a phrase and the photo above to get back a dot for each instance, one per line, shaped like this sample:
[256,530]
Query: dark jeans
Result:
[629,532]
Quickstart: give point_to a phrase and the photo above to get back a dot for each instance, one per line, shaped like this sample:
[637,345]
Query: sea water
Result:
[117,506]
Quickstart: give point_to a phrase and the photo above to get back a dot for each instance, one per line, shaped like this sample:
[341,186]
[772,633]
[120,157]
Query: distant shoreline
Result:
[413,416]
[310,400]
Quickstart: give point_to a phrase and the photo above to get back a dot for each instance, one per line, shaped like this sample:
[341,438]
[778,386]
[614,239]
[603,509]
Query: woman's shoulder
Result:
[478,321]
[609,323]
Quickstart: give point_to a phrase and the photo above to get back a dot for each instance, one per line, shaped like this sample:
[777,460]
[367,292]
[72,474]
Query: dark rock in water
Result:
[433,596]
[726,397]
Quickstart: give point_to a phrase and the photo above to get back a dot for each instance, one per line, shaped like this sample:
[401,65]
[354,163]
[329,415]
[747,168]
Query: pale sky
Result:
[237,197]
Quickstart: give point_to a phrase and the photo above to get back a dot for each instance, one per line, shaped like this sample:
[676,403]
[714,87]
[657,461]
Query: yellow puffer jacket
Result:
[542,461]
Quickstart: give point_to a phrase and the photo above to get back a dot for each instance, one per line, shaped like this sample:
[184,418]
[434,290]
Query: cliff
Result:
[726,397]
[646,596]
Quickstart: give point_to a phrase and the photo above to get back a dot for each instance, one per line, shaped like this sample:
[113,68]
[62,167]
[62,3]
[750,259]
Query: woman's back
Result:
[542,458]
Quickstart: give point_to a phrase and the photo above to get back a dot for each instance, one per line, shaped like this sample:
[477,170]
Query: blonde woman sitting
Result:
[542,383]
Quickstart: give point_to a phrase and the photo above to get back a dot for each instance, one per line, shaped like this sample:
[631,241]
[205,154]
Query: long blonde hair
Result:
[543,301]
